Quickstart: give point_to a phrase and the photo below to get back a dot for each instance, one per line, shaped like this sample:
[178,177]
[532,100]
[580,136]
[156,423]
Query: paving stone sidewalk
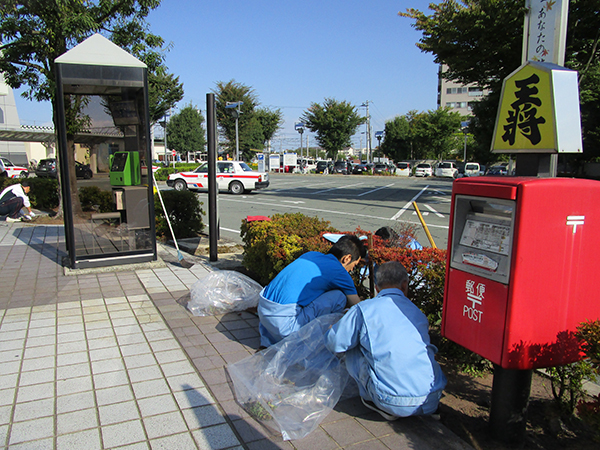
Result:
[111,359]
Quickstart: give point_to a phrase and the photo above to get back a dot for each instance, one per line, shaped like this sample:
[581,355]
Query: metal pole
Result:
[213,221]
[510,397]
[237,140]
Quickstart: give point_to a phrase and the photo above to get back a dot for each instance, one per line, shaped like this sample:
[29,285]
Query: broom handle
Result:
[165,212]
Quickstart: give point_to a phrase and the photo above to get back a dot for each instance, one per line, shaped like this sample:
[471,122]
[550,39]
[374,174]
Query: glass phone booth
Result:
[102,98]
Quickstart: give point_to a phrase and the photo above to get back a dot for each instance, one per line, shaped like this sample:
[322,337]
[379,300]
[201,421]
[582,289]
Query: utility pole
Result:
[369,156]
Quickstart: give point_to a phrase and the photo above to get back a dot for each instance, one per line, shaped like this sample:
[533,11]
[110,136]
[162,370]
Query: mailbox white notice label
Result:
[492,237]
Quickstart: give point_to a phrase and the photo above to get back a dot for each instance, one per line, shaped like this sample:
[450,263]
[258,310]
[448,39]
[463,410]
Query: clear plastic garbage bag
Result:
[292,386]
[223,291]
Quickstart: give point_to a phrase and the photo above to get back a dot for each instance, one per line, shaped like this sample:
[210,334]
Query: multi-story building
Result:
[459,97]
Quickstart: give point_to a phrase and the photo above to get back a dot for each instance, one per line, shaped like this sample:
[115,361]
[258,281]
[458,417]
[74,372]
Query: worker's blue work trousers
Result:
[278,321]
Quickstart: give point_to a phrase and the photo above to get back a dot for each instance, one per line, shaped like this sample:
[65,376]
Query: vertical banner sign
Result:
[547,30]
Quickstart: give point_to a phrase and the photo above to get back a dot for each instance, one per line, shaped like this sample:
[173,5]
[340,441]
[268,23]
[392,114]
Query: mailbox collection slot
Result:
[482,236]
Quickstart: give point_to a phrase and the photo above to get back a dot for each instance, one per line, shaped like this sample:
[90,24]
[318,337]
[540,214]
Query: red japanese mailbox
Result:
[522,268]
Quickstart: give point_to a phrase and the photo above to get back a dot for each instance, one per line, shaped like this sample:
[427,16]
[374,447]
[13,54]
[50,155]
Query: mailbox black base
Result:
[510,398]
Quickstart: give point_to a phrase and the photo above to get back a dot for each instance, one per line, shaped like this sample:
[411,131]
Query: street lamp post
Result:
[164,124]
[379,135]
[368,124]
[236,113]
[465,130]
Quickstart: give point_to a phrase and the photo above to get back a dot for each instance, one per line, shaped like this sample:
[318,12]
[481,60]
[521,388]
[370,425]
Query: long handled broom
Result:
[185,264]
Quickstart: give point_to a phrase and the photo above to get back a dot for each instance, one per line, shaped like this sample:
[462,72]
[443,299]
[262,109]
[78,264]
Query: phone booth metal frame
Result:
[112,87]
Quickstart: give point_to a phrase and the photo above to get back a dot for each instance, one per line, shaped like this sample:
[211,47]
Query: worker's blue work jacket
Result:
[389,354]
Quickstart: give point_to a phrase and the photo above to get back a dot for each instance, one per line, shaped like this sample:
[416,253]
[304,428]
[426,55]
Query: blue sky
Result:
[294,54]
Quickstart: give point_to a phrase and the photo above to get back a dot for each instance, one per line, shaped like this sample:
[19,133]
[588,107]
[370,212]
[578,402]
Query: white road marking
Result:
[434,211]
[399,213]
[291,201]
[375,190]
[328,211]
[337,187]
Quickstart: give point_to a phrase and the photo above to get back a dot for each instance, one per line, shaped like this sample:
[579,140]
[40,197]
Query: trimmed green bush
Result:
[185,212]
[43,194]
[271,245]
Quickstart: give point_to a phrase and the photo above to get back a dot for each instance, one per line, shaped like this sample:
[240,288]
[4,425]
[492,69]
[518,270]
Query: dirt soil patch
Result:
[465,409]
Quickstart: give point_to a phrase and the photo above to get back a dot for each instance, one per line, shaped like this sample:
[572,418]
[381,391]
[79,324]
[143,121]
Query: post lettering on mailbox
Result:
[475,294]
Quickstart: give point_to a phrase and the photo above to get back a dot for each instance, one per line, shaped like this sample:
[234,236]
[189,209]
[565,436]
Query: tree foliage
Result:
[425,135]
[398,141]
[255,125]
[481,42]
[34,33]
[185,131]
[334,122]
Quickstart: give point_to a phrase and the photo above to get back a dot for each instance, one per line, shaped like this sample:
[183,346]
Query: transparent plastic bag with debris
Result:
[291,386]
[222,292]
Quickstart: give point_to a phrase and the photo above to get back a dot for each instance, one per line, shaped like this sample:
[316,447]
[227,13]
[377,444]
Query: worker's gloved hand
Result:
[31,214]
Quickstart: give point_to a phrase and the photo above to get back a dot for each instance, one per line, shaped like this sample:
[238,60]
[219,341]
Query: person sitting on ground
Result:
[387,349]
[313,285]
[13,199]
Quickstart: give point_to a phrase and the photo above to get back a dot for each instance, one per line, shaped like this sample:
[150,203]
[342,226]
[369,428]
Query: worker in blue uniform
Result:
[313,285]
[388,351]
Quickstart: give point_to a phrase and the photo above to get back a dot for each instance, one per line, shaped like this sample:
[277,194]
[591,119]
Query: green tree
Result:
[233,91]
[164,91]
[434,133]
[334,122]
[425,135]
[255,125]
[481,42]
[34,33]
[398,137]
[270,122]
[185,131]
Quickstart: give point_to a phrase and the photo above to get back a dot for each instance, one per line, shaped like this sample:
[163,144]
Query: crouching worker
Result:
[387,349]
[313,285]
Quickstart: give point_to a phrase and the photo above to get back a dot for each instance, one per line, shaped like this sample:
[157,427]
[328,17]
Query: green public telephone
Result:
[125,169]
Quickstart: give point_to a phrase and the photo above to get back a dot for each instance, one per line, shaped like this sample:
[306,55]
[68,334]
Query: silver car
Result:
[423,170]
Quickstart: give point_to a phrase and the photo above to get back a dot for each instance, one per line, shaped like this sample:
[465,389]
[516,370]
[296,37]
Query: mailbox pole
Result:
[510,398]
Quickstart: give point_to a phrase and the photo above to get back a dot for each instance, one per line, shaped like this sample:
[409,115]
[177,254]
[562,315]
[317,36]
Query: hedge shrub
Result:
[185,212]
[588,334]
[271,245]
[43,194]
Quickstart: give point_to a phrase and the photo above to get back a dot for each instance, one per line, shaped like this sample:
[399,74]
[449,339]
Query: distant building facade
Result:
[458,97]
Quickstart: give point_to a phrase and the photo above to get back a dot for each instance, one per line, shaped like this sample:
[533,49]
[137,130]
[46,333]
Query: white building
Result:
[459,97]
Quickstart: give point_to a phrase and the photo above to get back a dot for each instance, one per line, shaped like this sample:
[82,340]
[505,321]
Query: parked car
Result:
[324,167]
[47,169]
[423,170]
[446,169]
[359,169]
[233,176]
[403,169]
[343,167]
[497,170]
[13,171]
[380,168]
[472,169]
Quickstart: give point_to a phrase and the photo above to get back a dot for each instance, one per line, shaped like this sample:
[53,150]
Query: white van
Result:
[403,169]
[446,169]
[472,169]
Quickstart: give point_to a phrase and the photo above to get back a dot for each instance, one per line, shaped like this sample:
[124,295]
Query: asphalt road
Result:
[347,201]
